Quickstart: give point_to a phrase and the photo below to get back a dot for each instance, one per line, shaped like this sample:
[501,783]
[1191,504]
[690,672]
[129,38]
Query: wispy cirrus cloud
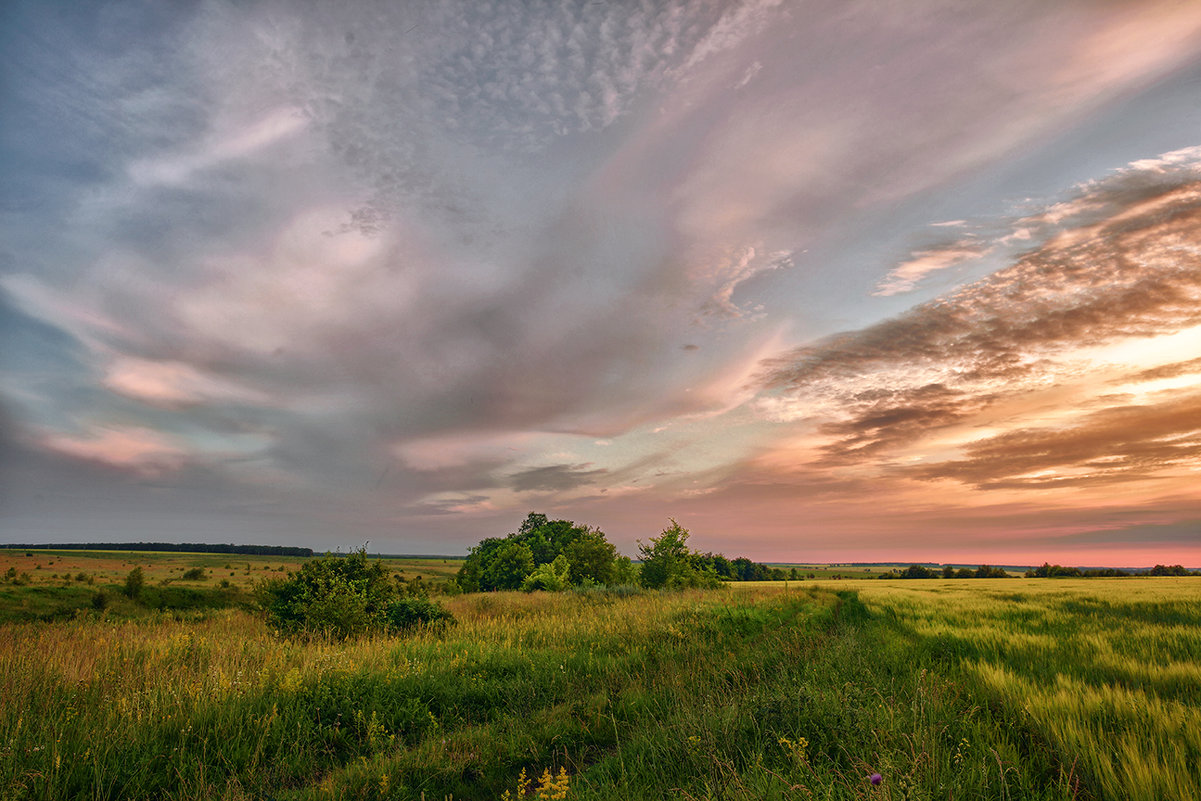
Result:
[905,276]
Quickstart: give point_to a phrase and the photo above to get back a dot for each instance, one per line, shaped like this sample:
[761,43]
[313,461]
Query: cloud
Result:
[1173,370]
[235,144]
[1122,267]
[554,478]
[172,384]
[140,450]
[396,255]
[905,276]
[1112,445]
[737,268]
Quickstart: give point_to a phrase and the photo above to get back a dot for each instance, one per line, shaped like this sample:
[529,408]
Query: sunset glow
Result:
[820,283]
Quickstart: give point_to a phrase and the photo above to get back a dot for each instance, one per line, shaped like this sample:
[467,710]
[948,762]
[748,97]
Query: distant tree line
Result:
[946,571]
[1058,571]
[545,554]
[1045,571]
[185,547]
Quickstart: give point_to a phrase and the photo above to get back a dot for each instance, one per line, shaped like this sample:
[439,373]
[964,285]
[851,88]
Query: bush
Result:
[341,596]
[100,601]
[405,613]
[194,574]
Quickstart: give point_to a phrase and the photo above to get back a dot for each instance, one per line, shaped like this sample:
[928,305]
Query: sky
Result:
[822,281]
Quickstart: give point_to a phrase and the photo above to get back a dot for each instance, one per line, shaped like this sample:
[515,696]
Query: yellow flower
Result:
[553,788]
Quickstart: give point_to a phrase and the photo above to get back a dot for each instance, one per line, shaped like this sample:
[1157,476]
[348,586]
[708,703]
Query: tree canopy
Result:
[545,554]
[668,562]
[580,555]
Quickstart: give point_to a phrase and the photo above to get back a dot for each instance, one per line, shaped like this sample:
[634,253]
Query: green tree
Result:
[134,581]
[552,577]
[667,562]
[591,557]
[625,571]
[500,563]
[509,566]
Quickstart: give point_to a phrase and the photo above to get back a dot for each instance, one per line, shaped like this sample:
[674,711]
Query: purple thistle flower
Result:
[876,778]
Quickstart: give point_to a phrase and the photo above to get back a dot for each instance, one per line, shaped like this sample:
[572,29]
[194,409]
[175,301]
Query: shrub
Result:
[194,574]
[100,601]
[404,613]
[340,596]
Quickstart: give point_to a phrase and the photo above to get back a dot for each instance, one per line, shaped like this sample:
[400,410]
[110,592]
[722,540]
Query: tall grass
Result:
[1107,671]
[754,693]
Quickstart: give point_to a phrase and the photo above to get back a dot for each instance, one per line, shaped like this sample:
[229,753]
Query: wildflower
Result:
[551,788]
[876,778]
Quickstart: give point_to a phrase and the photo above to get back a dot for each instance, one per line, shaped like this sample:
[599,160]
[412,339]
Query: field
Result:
[989,689]
[54,585]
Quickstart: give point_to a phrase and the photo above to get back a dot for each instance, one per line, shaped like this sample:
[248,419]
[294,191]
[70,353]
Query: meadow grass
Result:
[1107,670]
[949,690]
[110,567]
[55,585]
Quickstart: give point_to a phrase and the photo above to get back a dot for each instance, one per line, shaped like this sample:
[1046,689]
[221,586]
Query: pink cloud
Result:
[140,450]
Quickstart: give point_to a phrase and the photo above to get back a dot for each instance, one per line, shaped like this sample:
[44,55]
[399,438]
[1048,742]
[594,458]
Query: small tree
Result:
[591,557]
[667,562]
[134,581]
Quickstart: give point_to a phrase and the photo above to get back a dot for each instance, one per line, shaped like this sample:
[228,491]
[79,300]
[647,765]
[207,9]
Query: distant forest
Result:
[185,547]
[1045,571]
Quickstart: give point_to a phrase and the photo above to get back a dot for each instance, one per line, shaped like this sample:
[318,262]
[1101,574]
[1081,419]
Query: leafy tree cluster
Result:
[946,571]
[668,562]
[175,547]
[345,596]
[1173,570]
[743,569]
[544,554]
[1047,570]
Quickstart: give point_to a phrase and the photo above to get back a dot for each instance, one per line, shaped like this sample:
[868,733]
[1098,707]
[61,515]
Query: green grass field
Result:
[987,689]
